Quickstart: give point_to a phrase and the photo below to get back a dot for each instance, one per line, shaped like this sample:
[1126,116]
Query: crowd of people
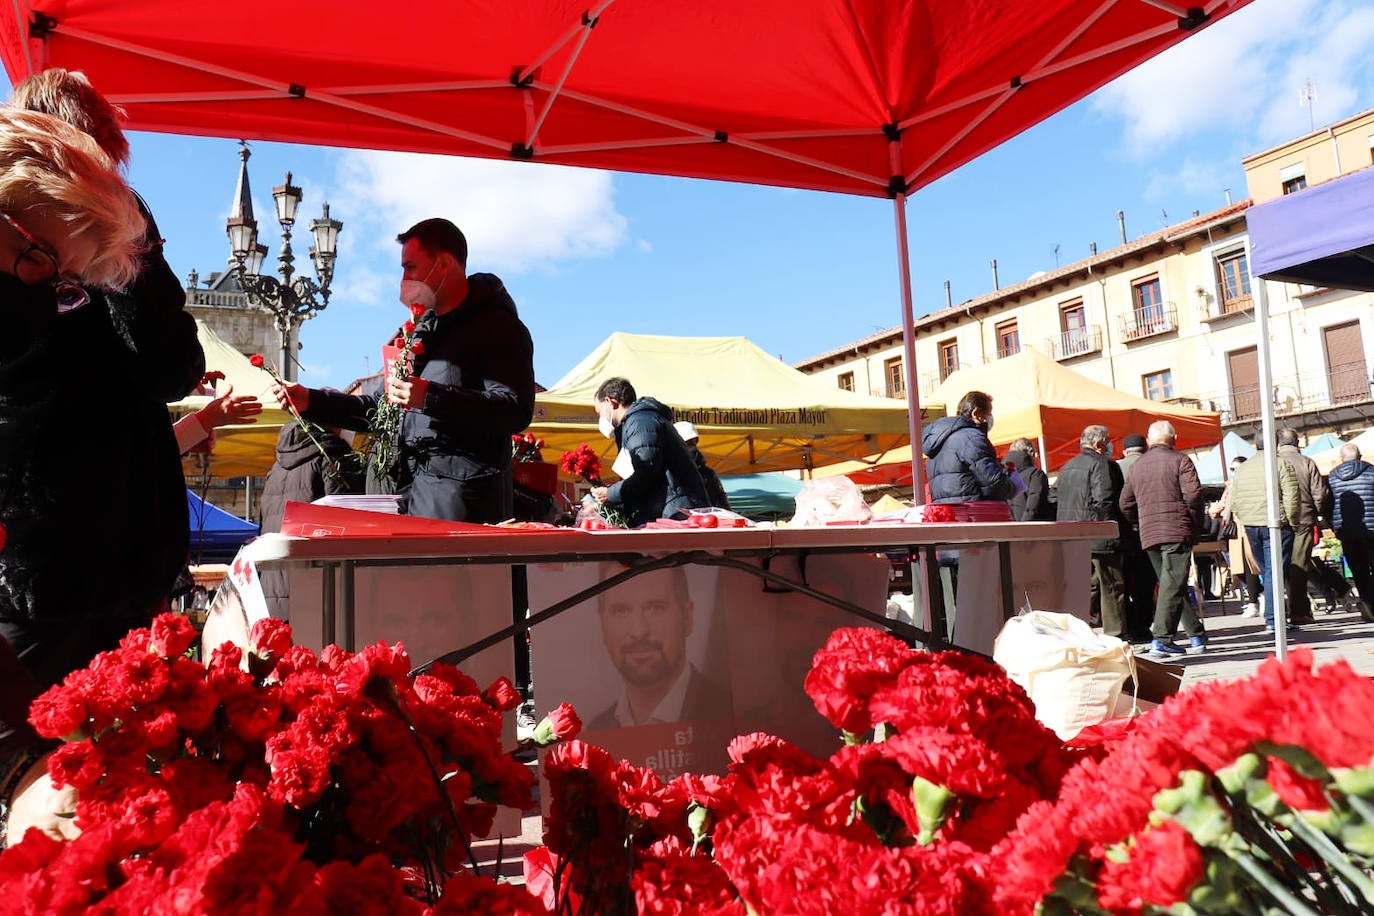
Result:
[1145,585]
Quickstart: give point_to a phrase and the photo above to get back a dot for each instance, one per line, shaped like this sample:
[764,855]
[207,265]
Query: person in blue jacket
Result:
[961,464]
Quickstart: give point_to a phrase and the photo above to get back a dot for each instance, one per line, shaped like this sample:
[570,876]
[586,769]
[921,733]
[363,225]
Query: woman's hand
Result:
[229,408]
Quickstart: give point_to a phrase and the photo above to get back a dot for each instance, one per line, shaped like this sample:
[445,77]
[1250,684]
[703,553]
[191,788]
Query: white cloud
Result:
[645,246]
[517,216]
[1193,178]
[1242,76]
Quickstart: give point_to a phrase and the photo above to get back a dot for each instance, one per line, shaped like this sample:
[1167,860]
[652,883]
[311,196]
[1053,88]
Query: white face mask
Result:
[606,426]
[989,423]
[418,292]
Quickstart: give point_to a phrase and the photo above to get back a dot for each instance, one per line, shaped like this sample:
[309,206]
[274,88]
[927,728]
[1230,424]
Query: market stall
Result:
[753,411]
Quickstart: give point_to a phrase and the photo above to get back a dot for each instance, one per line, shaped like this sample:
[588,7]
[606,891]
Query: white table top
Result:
[523,545]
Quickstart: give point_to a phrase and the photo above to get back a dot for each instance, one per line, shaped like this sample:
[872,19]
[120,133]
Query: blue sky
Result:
[586,253]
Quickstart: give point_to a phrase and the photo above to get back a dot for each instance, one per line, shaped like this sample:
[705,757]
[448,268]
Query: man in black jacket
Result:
[715,490]
[472,387]
[1089,490]
[664,478]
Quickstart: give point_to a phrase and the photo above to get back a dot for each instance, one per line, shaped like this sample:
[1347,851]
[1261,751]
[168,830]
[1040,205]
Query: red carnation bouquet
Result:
[582,462]
[526,447]
[948,796]
[272,781]
[384,423]
[593,516]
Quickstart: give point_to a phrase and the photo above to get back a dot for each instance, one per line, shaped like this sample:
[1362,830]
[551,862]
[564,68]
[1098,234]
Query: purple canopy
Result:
[1323,235]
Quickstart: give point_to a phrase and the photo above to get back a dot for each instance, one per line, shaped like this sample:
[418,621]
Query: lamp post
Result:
[292,298]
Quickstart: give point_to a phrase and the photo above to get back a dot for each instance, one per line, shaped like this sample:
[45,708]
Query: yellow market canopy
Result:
[754,412]
[244,450]
[1034,396]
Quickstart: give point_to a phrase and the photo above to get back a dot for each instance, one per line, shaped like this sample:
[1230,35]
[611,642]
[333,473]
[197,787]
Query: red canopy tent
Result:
[873,97]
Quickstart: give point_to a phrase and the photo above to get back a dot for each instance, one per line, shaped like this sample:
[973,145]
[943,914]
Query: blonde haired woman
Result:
[84,558]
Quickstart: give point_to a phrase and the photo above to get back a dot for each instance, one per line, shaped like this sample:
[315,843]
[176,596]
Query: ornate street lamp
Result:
[291,299]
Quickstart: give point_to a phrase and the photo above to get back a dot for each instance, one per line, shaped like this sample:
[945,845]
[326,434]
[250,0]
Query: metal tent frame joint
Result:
[41,25]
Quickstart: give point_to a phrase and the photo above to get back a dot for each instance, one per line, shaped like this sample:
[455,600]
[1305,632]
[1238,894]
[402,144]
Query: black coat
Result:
[1090,491]
[479,362]
[961,464]
[1032,505]
[715,490]
[92,495]
[665,478]
[302,473]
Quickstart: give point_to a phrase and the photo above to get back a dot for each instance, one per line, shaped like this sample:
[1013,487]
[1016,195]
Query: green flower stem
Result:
[1273,888]
[1321,844]
[1362,807]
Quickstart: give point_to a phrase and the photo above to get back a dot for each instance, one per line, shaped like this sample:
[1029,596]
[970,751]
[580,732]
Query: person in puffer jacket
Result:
[665,478]
[961,464]
[1352,518]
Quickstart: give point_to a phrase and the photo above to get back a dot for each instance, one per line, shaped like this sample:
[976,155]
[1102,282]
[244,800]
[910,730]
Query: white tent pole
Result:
[1273,586]
[913,398]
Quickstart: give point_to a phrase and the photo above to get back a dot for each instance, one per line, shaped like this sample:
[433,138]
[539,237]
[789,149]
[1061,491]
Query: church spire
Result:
[243,195]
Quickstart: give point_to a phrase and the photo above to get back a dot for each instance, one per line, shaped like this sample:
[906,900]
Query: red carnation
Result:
[562,724]
[417,347]
[1164,866]
[502,695]
[417,309]
[582,462]
[257,361]
[270,638]
[408,328]
[171,636]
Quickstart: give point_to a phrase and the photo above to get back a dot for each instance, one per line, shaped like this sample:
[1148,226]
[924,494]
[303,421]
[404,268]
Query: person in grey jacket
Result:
[1311,497]
[1090,486]
[1352,518]
[1033,504]
[664,479]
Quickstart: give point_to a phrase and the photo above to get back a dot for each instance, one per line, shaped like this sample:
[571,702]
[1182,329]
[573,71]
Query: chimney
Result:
[1092,249]
[995,284]
[949,301]
[1121,224]
[1228,197]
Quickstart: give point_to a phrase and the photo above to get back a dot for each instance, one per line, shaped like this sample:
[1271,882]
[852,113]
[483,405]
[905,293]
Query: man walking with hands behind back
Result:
[1162,497]
[1090,487]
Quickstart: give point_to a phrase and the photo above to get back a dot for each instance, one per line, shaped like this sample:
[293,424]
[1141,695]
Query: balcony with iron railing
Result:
[1339,386]
[1075,342]
[1004,352]
[1150,321]
[1212,309]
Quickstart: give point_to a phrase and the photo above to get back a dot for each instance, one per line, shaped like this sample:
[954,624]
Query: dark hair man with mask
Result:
[472,387]
[961,464]
[662,478]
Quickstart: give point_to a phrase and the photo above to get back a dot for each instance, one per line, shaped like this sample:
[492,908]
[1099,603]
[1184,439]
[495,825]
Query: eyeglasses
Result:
[37,265]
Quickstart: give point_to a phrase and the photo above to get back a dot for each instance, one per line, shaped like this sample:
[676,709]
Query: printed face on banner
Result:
[645,623]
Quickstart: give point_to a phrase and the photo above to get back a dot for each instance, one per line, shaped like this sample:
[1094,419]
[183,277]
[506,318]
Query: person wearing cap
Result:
[715,490]
[1136,567]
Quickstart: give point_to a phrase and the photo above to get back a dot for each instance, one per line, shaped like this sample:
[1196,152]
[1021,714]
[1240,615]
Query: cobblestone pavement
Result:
[1236,645]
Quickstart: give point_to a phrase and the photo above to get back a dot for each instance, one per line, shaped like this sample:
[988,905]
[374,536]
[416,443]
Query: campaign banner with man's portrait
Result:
[665,668]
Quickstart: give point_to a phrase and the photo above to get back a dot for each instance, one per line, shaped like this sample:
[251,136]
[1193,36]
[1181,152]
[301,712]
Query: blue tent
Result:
[762,496]
[1322,235]
[215,532]
[1323,443]
[1209,463]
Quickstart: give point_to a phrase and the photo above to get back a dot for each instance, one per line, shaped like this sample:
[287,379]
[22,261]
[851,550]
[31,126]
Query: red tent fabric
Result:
[799,93]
